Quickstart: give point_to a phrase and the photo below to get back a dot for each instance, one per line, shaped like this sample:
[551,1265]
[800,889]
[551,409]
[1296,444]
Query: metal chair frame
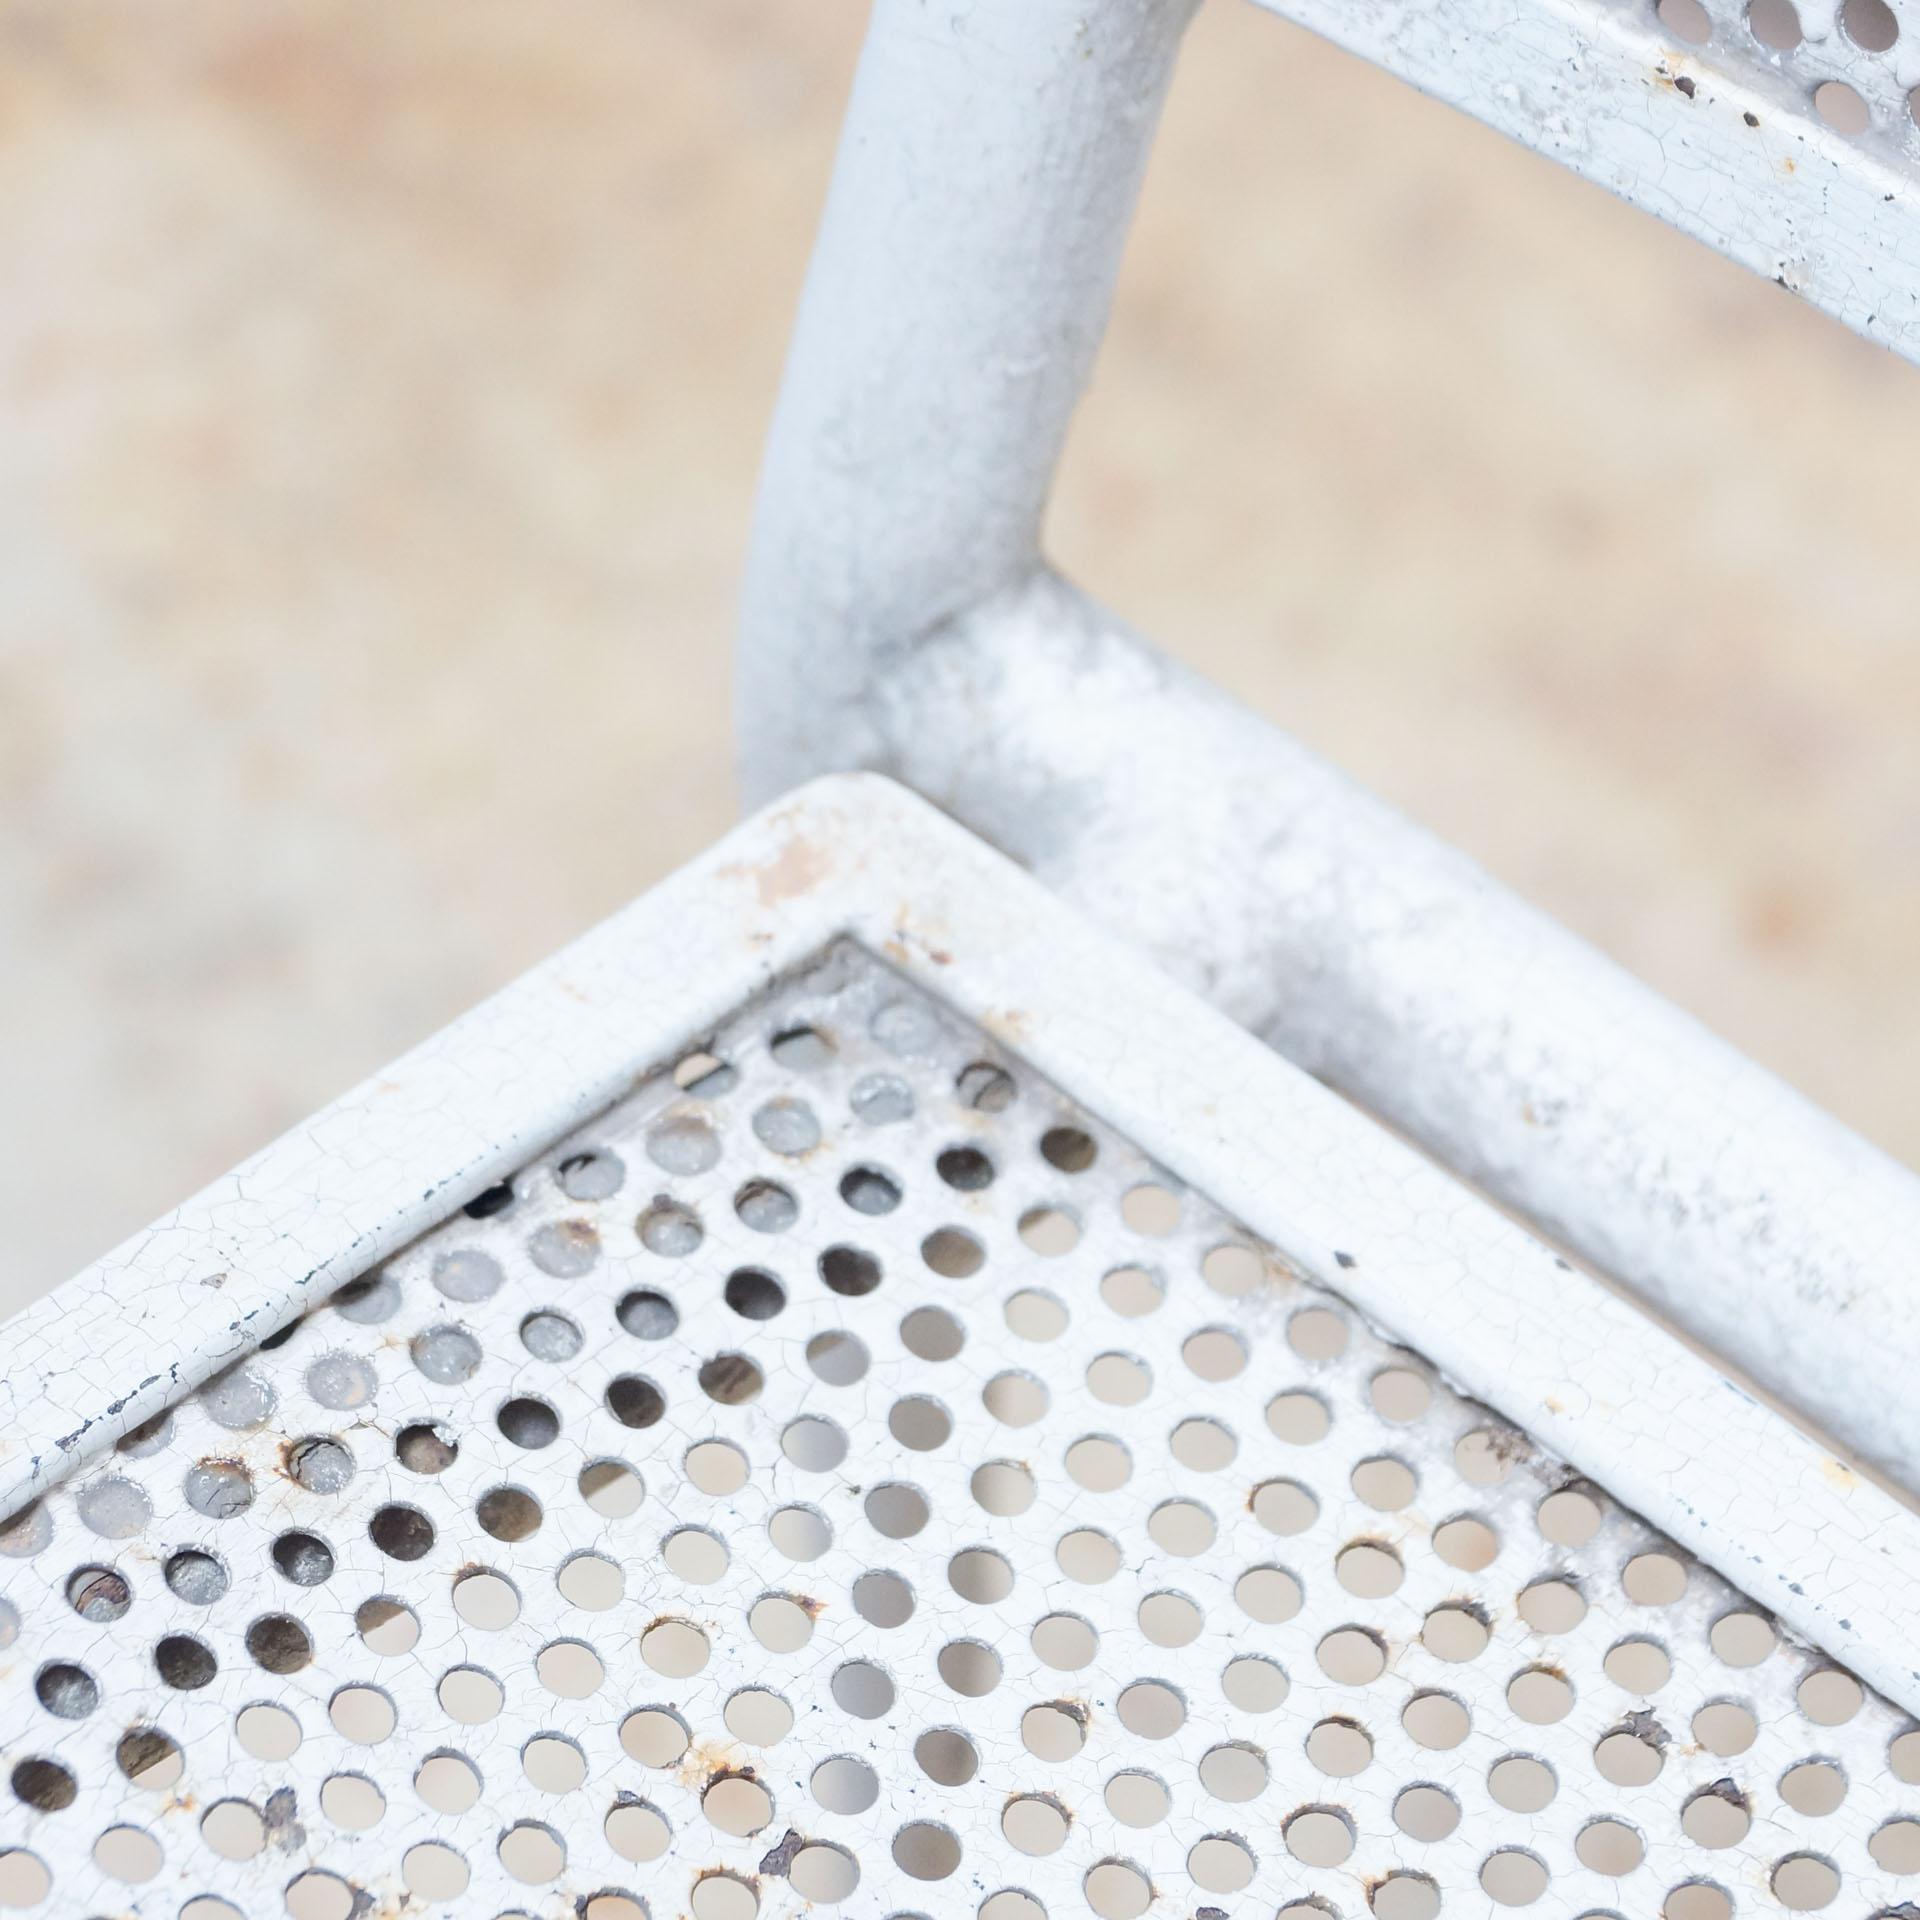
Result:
[899,615]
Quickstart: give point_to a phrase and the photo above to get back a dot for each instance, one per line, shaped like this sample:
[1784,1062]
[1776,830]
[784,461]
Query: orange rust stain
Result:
[705,1761]
[797,868]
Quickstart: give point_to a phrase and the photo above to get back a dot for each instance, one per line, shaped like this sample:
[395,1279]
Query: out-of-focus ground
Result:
[381,386]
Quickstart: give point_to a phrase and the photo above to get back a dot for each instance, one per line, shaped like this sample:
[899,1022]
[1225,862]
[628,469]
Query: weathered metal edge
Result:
[1831,1554]
[1727,149]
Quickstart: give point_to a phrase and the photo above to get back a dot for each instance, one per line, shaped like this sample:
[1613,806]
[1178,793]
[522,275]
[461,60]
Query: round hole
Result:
[44,1785]
[823,1872]
[1319,1837]
[675,1648]
[447,1356]
[401,1532]
[386,1627]
[837,1357]
[1132,1292]
[965,1169]
[508,1513]
[611,1488]
[787,1126]
[669,1229]
[1254,1685]
[548,1335]
[198,1578]
[279,1643]
[1687,21]
[1513,1878]
[485,1601]
[1521,1783]
[1068,1149]
[1064,1642]
[683,1143]
[1117,1890]
[845,1785]
[817,1445]
[319,1464]
[1436,1721]
[654,1736]
[924,1851]
[113,1507]
[1340,1748]
[220,1489]
[766,1206]
[637,1831]
[731,1379]
[716,1467]
[1539,1696]
[1828,1697]
[759,1717]
[531,1423]
[352,1803]
[1150,1209]
[631,1398]
[151,1759]
[594,1174]
[363,1715]
[182,1662]
[426,1448]
[737,1804]
[1870,24]
[434,1872]
[946,1756]
[1845,112]
[969,1668]
[1804,1883]
[862,1689]
[1151,1709]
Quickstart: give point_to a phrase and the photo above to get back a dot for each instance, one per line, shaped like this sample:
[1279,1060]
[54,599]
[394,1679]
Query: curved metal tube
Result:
[897,616]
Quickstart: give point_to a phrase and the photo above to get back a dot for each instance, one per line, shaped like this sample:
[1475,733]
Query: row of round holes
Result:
[1869,24]
[863,1208]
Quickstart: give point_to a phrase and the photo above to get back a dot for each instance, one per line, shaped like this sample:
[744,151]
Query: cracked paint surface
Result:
[1721,138]
[846,1472]
[624,1538]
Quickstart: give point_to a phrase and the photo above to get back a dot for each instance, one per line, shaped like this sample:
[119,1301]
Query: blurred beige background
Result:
[381,385]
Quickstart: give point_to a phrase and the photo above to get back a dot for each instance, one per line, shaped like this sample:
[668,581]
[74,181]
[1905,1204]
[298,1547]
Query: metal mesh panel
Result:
[847,1474]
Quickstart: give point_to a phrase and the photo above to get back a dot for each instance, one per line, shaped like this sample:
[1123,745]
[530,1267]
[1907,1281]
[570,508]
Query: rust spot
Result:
[1778,916]
[779,1859]
[1643,1726]
[704,1762]
[796,869]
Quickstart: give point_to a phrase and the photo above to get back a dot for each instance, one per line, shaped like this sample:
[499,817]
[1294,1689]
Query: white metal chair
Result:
[850,1388]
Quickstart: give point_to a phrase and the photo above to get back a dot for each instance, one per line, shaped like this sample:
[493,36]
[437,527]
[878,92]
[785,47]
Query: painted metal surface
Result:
[988,171]
[653,1279]
[896,617]
[846,1474]
[1690,113]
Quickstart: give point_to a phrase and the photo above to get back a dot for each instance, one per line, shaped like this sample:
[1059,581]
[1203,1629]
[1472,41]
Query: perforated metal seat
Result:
[849,1390]
[845,1390]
